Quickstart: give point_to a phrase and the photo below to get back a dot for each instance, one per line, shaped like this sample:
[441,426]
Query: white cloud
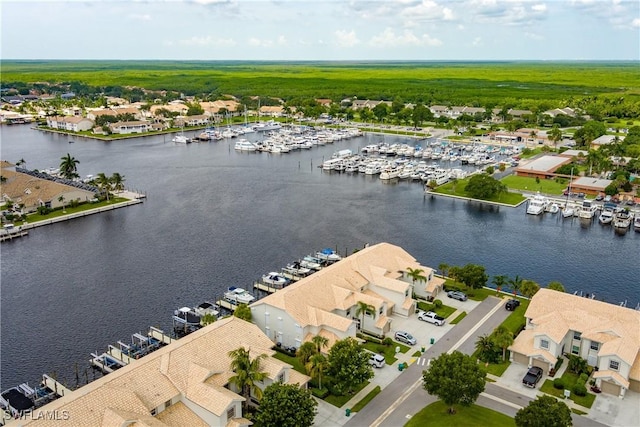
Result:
[346,38]
[425,10]
[533,36]
[254,41]
[388,38]
[614,12]
[140,17]
[636,23]
[539,7]
[207,41]
[477,41]
[507,12]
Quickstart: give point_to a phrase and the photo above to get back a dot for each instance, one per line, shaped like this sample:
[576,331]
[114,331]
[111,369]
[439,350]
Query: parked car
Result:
[460,296]
[512,304]
[431,317]
[532,377]
[405,337]
[376,360]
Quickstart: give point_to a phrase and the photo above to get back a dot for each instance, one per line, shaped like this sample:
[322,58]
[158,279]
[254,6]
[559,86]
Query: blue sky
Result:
[322,30]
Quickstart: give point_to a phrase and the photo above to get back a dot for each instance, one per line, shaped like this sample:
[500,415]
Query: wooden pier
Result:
[266,288]
[159,335]
[54,386]
[7,235]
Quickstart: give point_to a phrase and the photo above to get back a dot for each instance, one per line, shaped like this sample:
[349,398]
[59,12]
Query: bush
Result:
[437,303]
[387,341]
[558,364]
[320,393]
[558,383]
[579,389]
[584,377]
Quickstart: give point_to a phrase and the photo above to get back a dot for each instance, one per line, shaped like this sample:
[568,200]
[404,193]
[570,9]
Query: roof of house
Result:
[544,164]
[616,328]
[311,300]
[189,367]
[590,182]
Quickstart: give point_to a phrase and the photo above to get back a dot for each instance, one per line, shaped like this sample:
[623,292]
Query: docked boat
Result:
[181,139]
[186,317]
[17,400]
[243,144]
[267,126]
[274,279]
[568,212]
[537,204]
[328,255]
[606,216]
[552,208]
[587,210]
[622,219]
[310,263]
[296,269]
[636,223]
[238,296]
[206,308]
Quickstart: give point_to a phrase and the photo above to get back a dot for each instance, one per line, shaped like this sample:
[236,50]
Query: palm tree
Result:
[69,167]
[316,365]
[503,338]
[516,284]
[61,200]
[117,181]
[556,286]
[306,351]
[499,281]
[555,135]
[416,274]
[247,374]
[444,268]
[104,183]
[362,309]
[485,346]
[320,342]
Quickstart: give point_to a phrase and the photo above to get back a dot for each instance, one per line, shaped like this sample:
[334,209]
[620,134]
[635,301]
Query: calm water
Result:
[215,218]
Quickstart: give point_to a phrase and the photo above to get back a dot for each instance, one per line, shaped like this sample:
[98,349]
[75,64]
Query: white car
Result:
[376,360]
[431,317]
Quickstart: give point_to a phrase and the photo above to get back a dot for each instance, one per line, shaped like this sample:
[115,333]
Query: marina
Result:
[215,217]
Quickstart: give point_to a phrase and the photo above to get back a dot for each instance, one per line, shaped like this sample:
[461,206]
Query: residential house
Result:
[606,140]
[124,128]
[359,104]
[607,336]
[272,111]
[326,303]
[70,123]
[31,191]
[456,112]
[566,111]
[439,111]
[197,120]
[185,383]
[94,114]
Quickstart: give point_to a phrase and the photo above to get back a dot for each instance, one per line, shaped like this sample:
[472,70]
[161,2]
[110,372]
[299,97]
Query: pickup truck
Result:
[533,376]
[431,317]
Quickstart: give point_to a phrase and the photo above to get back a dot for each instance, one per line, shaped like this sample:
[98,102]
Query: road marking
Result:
[504,402]
[415,385]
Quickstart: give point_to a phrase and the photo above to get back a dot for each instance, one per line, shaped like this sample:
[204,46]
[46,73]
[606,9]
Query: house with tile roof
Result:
[70,123]
[30,191]
[607,336]
[326,302]
[185,383]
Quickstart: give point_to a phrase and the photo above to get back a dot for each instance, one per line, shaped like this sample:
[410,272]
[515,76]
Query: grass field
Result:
[525,183]
[368,398]
[463,83]
[35,217]
[437,415]
[569,379]
[457,189]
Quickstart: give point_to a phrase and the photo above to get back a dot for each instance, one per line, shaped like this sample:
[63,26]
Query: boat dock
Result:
[10,232]
[54,386]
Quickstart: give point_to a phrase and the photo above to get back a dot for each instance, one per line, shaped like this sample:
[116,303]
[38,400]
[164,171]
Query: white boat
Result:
[537,204]
[587,210]
[636,223]
[266,126]
[187,317]
[308,262]
[568,212]
[390,172]
[328,255]
[238,296]
[552,208]
[206,308]
[297,269]
[243,144]
[622,219]
[181,139]
[606,216]
[274,279]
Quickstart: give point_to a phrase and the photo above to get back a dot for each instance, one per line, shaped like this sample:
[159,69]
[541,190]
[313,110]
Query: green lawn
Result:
[546,186]
[34,217]
[457,189]
[497,369]
[444,310]
[293,361]
[531,152]
[472,294]
[340,401]
[569,379]
[516,321]
[389,352]
[373,393]
[458,318]
[437,415]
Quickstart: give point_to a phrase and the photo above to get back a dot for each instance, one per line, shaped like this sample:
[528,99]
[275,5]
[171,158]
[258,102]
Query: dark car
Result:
[512,304]
[533,376]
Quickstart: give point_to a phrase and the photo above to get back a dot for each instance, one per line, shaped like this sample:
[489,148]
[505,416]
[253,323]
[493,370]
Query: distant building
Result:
[124,128]
[589,185]
[70,123]
[543,167]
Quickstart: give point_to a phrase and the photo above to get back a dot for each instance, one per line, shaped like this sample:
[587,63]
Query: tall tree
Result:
[69,167]
[348,365]
[444,268]
[555,135]
[362,309]
[416,274]
[500,280]
[486,348]
[117,181]
[320,342]
[503,338]
[247,374]
[305,352]
[104,184]
[529,288]
[482,186]
[472,275]
[316,366]
[243,311]
[286,405]
[556,286]
[455,378]
[545,411]
[515,284]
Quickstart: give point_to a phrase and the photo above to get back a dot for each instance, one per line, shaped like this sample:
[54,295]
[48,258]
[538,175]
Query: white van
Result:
[376,360]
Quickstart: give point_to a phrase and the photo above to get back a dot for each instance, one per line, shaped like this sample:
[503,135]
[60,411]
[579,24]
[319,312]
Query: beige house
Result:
[124,128]
[70,123]
[607,336]
[326,303]
[183,384]
[31,191]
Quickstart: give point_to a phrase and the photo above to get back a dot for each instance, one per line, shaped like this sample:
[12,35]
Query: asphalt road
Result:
[395,405]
